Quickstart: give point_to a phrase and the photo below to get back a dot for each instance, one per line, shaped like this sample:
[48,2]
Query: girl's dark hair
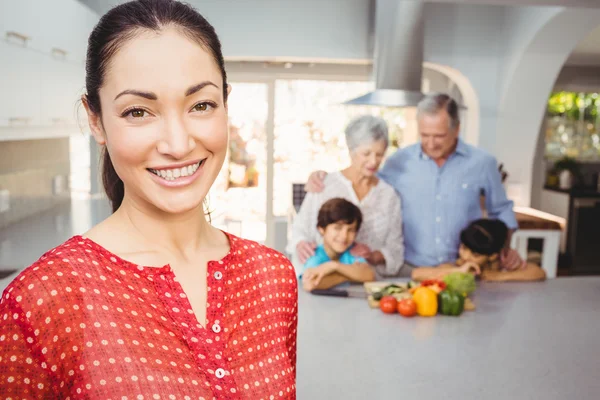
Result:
[485,236]
[339,210]
[121,24]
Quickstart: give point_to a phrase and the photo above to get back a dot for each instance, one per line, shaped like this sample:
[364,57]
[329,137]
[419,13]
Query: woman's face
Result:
[367,158]
[164,120]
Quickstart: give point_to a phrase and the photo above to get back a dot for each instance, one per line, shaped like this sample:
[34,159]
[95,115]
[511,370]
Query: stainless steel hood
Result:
[398,63]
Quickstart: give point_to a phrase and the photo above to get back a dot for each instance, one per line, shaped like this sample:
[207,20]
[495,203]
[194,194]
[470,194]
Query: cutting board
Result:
[371,287]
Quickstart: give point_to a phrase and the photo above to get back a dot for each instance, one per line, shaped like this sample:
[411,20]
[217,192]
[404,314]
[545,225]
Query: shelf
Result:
[38,132]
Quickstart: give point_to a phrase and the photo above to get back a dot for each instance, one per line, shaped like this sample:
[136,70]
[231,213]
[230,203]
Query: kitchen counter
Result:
[575,192]
[524,341]
[580,208]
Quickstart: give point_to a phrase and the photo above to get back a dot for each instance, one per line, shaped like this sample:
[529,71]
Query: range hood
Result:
[398,61]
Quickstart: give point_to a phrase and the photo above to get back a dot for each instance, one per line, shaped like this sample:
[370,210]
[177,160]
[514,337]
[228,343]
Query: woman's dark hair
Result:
[485,236]
[339,210]
[121,24]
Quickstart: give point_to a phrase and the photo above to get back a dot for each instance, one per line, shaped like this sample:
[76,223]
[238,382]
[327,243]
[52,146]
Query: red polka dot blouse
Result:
[81,323]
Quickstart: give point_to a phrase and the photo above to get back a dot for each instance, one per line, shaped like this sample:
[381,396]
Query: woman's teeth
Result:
[174,173]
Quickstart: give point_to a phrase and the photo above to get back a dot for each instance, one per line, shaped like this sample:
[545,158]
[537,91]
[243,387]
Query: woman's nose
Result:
[176,141]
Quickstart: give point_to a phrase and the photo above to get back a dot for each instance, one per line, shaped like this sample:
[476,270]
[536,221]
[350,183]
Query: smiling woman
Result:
[153,302]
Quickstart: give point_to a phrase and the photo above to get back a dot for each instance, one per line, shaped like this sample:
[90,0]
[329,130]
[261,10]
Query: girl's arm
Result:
[531,272]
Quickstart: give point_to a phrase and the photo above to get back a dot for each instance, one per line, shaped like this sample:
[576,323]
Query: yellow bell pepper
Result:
[427,302]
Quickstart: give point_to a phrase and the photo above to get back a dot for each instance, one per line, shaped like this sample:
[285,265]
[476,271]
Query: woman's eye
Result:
[202,107]
[136,113]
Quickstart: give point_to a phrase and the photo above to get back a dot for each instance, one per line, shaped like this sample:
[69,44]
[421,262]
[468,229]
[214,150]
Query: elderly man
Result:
[440,181]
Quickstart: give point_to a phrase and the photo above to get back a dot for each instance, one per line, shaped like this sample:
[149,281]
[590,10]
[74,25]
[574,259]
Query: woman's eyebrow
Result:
[152,96]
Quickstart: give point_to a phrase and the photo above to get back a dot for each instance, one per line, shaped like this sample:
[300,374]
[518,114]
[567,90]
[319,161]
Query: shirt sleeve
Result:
[393,249]
[293,328]
[312,262]
[303,228]
[497,203]
[26,364]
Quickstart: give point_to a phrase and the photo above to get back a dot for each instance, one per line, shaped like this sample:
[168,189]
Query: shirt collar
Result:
[461,149]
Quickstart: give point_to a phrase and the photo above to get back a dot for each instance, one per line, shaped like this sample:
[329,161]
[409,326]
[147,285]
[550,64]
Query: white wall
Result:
[500,49]
[466,38]
[505,52]
[526,90]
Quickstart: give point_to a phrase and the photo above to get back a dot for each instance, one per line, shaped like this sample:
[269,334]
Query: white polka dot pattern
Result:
[83,323]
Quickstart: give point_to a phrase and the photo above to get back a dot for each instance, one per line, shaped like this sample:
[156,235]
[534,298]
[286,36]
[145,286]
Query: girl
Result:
[481,243]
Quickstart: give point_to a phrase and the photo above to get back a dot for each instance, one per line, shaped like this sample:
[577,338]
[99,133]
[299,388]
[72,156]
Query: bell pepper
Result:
[427,302]
[436,285]
[451,303]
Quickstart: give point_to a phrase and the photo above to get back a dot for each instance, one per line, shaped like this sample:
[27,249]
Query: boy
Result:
[481,243]
[338,223]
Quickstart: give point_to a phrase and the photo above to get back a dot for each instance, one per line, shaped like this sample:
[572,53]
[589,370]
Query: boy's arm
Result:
[531,272]
[333,273]
[330,281]
[357,272]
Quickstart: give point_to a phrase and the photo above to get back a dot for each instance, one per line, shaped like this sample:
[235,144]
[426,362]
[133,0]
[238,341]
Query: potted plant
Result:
[568,172]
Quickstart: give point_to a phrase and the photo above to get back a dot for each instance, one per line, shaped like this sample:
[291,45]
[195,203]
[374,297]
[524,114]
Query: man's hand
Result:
[313,276]
[315,182]
[510,260]
[305,250]
[360,250]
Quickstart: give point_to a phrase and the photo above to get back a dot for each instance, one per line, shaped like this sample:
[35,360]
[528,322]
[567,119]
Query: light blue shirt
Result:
[438,203]
[321,257]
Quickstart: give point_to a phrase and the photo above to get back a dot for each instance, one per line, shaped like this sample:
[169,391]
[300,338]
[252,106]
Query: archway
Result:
[520,112]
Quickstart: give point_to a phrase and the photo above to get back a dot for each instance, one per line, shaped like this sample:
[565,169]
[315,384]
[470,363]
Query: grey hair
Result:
[433,103]
[365,130]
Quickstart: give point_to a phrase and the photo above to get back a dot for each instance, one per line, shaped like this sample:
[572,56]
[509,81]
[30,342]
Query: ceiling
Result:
[586,53]
[101,6]
[563,3]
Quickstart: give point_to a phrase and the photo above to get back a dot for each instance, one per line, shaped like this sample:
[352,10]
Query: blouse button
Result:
[220,373]
[216,328]
[218,275]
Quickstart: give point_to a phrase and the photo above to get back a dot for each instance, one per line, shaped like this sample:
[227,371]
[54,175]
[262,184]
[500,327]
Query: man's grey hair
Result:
[366,130]
[433,103]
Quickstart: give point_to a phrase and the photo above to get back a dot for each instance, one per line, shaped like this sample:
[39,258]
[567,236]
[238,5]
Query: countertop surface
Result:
[524,341]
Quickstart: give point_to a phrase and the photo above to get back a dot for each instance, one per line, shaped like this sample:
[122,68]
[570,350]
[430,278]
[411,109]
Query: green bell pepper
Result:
[450,303]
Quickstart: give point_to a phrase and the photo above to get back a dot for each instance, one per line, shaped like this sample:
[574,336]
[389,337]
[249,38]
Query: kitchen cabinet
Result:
[38,90]
[61,86]
[62,24]
[20,80]
[581,209]
[42,74]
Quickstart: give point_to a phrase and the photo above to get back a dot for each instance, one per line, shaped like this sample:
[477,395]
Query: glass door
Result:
[309,131]
[237,200]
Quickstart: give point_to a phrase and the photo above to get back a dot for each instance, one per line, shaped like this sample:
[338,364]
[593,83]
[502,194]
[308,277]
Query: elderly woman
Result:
[379,239]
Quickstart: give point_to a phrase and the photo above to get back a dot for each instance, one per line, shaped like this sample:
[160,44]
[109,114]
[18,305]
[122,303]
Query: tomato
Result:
[407,307]
[388,304]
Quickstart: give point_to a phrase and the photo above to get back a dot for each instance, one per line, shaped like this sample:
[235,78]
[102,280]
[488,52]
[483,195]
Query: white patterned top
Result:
[382,221]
